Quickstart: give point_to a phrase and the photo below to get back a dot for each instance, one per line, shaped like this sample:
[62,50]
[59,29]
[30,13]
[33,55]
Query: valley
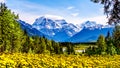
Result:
[59,34]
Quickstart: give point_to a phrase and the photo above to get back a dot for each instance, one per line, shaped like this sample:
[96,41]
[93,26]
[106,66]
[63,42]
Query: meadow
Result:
[23,60]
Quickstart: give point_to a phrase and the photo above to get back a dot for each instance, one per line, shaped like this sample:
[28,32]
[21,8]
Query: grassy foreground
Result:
[17,60]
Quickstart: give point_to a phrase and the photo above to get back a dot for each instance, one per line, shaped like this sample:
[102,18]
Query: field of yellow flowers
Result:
[18,60]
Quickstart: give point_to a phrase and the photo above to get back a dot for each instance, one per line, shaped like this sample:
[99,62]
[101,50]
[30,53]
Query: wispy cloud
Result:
[27,17]
[98,19]
[79,20]
[30,11]
[75,14]
[70,7]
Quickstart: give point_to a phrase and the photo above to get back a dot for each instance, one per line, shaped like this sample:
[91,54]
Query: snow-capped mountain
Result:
[55,28]
[91,25]
[90,32]
[30,30]
[88,35]
[46,26]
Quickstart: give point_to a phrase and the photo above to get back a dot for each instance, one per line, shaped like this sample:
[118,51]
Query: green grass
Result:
[82,46]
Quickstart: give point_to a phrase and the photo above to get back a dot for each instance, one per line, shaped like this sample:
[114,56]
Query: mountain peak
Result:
[49,19]
[91,25]
[49,22]
[55,26]
[90,22]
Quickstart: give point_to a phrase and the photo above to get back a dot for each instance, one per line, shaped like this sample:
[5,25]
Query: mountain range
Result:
[61,31]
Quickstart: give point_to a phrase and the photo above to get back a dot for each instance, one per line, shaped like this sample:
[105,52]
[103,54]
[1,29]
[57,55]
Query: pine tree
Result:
[70,48]
[111,49]
[36,45]
[116,38]
[10,31]
[108,38]
[101,44]
[26,43]
[42,45]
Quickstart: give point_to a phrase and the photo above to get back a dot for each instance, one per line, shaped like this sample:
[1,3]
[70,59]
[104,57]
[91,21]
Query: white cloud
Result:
[54,17]
[27,17]
[75,14]
[30,11]
[78,20]
[98,19]
[70,7]
[2,1]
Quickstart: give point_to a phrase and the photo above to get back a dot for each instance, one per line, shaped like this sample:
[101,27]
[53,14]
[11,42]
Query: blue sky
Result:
[73,11]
